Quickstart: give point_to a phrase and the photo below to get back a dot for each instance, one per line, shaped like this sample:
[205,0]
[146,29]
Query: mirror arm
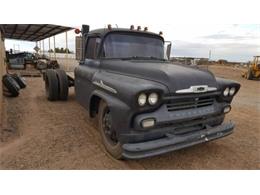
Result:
[168,50]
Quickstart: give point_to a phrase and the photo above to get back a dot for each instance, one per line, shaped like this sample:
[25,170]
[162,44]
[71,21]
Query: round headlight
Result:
[142,99]
[153,98]
[226,92]
[232,91]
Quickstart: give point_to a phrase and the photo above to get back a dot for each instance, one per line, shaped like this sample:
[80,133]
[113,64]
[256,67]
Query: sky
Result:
[234,42]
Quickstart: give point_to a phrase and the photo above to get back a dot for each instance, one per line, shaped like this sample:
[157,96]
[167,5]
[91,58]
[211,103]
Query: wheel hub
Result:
[107,128]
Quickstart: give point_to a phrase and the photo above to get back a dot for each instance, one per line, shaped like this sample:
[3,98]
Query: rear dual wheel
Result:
[51,85]
[63,84]
[56,85]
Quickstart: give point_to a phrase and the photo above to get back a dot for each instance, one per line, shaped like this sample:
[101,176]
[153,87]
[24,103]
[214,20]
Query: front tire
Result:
[108,134]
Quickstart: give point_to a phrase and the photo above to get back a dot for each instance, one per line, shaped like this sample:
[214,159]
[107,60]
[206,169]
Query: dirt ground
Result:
[38,134]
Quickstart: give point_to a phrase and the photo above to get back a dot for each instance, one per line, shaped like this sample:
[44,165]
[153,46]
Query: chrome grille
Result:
[189,103]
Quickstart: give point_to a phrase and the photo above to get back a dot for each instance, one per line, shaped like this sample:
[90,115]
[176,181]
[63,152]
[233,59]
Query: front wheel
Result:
[108,134]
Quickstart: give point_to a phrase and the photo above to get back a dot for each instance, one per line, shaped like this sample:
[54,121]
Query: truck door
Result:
[84,73]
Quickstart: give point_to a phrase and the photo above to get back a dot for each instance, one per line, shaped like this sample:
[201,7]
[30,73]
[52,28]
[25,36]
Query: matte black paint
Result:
[130,78]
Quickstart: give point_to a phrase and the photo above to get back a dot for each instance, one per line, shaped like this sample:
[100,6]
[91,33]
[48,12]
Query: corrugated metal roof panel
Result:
[32,32]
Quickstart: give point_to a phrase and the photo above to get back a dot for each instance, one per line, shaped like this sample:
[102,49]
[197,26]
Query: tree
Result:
[57,50]
[67,50]
[61,50]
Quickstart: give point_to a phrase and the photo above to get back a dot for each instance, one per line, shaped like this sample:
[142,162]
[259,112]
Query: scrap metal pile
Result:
[21,60]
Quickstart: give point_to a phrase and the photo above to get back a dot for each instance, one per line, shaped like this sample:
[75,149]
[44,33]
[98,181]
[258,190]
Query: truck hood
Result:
[175,77]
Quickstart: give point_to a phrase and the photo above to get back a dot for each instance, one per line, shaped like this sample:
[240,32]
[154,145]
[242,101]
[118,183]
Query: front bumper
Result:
[175,142]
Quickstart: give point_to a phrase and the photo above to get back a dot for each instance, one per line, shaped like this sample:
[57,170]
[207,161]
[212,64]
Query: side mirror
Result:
[85,29]
[168,47]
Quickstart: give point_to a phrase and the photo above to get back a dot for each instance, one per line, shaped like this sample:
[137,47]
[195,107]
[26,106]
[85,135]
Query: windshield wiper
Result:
[143,58]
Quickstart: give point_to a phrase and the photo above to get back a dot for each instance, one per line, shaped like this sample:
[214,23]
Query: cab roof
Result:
[102,32]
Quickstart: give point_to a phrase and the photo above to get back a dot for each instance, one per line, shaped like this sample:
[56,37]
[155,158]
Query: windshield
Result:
[131,46]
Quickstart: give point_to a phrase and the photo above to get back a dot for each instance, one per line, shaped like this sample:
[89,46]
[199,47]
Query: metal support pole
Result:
[54,44]
[40,45]
[43,47]
[36,46]
[49,47]
[66,41]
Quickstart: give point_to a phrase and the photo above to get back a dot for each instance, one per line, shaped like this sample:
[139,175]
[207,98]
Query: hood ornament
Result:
[197,89]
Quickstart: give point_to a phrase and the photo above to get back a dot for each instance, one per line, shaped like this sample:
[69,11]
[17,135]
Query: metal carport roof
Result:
[32,32]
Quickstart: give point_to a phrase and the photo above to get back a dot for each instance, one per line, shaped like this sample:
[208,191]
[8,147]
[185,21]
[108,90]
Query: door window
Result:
[92,47]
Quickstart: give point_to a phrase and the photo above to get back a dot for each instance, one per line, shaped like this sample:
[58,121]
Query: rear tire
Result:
[63,84]
[110,141]
[51,85]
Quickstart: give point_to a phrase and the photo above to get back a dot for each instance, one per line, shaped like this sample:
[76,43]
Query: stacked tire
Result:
[20,80]
[12,84]
[56,85]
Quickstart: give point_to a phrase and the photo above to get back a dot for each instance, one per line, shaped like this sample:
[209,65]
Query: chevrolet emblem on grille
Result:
[197,89]
[200,89]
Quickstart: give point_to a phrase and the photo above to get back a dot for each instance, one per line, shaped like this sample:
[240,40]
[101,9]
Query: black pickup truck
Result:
[145,105]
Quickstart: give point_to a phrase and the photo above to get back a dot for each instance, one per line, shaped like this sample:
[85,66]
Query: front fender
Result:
[121,112]
[223,84]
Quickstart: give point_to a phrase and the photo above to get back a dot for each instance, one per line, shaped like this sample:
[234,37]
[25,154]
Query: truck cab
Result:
[145,104]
